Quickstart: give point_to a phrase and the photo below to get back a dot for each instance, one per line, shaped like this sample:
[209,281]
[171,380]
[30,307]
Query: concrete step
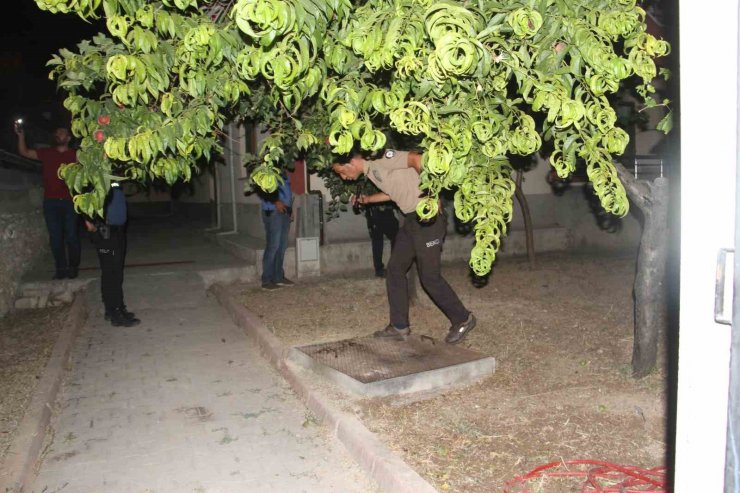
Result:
[41,294]
[240,245]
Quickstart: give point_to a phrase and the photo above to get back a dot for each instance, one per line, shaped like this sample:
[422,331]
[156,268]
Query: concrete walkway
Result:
[183,403]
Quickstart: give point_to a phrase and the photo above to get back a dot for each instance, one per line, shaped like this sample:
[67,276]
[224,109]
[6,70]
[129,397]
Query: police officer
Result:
[396,174]
[109,237]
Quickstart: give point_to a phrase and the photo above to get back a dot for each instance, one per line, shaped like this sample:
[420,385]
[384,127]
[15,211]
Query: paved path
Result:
[183,403]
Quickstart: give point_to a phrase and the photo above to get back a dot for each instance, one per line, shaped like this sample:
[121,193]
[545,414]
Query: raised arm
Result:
[23,149]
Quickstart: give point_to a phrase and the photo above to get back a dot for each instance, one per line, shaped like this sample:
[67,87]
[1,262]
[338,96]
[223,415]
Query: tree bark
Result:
[528,230]
[650,290]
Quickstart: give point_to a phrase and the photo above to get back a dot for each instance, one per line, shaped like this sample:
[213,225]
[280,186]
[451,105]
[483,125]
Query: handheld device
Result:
[356,206]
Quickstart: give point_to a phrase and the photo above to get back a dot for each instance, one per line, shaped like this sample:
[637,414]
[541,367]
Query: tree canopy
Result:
[469,83]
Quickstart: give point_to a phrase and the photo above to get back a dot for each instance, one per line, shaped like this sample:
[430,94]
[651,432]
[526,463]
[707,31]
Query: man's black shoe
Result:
[458,331]
[118,319]
[72,273]
[124,312]
[60,274]
[390,332]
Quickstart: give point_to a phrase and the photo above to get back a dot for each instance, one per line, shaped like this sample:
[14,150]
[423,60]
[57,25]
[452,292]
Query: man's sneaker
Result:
[118,319]
[458,331]
[285,283]
[390,332]
[270,286]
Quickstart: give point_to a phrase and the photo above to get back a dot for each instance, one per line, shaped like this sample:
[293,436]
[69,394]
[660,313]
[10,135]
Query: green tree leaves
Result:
[468,83]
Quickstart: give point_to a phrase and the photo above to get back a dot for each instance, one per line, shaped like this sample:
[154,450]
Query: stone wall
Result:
[23,238]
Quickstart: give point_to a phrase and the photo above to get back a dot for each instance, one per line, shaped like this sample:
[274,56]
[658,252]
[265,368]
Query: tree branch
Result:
[639,192]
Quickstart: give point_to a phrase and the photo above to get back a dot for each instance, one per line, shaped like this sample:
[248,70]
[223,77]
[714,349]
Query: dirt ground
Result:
[562,338]
[27,339]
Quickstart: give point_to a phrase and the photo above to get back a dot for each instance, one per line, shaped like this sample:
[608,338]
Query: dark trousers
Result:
[277,226]
[422,242]
[62,224]
[112,254]
[381,222]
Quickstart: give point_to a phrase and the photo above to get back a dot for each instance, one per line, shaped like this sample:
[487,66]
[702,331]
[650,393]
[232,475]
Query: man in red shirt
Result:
[59,212]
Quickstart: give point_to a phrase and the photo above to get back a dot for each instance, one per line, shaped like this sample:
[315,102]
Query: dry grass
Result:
[26,341]
[562,338]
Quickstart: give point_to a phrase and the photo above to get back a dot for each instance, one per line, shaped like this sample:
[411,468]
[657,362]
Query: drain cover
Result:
[383,367]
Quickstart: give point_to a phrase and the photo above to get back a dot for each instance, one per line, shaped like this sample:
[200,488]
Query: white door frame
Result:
[709,124]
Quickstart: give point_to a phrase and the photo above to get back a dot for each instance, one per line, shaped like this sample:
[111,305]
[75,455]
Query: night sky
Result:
[29,38]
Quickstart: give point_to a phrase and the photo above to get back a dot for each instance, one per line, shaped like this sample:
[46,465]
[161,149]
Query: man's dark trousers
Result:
[64,240]
[277,226]
[423,242]
[112,253]
[381,222]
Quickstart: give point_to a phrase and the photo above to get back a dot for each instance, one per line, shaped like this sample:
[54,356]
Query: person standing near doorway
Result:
[277,212]
[62,222]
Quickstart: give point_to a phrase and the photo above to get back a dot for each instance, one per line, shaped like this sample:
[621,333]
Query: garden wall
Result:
[23,238]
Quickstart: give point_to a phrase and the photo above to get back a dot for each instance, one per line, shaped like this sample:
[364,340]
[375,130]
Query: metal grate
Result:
[369,359]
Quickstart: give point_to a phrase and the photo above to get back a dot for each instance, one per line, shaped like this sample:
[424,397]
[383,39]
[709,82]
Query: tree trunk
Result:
[528,230]
[650,290]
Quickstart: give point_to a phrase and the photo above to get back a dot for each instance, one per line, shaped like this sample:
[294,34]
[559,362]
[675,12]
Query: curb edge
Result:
[25,450]
[391,473]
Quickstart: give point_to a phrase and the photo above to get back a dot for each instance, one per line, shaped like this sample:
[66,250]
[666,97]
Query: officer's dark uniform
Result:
[110,242]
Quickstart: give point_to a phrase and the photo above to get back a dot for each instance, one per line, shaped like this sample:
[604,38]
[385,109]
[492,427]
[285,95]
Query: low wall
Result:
[548,212]
[23,237]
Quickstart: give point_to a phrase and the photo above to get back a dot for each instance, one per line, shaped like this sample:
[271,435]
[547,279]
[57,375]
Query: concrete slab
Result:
[378,367]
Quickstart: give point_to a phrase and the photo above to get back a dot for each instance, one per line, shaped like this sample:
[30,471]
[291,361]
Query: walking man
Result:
[276,216]
[59,213]
[396,174]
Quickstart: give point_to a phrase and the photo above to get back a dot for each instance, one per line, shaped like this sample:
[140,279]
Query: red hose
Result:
[621,479]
